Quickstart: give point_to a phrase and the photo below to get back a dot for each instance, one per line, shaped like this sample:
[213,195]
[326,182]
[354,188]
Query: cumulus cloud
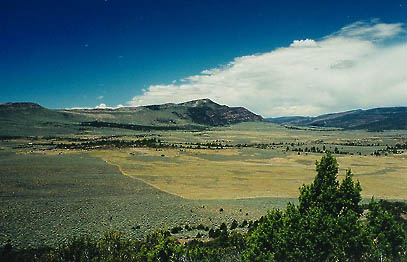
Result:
[362,65]
[101,106]
[304,43]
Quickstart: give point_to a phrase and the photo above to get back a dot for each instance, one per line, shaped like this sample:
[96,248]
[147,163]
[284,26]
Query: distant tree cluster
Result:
[100,124]
[396,149]
[108,143]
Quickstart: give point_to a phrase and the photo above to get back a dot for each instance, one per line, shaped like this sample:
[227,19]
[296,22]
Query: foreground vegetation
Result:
[328,224]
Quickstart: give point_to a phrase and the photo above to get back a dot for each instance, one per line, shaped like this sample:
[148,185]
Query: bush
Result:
[233,225]
[176,230]
[244,224]
[327,225]
[200,227]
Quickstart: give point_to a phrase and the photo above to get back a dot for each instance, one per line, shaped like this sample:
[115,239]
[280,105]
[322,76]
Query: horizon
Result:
[130,106]
[273,58]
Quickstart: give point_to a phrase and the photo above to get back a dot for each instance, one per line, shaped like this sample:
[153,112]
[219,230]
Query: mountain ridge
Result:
[19,106]
[200,113]
[374,119]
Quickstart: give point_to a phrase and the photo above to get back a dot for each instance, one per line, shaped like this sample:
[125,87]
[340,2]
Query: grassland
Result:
[73,194]
[247,169]
[253,172]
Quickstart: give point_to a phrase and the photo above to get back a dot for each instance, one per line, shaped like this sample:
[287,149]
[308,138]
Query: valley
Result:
[137,181]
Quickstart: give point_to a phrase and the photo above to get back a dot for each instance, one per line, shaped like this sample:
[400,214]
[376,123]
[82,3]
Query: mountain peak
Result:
[199,103]
[20,106]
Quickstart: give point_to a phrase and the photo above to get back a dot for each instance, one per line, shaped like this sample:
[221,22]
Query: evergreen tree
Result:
[388,238]
[323,191]
[325,226]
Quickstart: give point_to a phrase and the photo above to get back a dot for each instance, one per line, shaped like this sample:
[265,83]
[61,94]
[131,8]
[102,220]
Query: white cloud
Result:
[372,30]
[99,97]
[101,106]
[360,66]
[304,43]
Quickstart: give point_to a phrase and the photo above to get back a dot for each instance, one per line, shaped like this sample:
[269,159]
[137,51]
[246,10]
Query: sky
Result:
[276,58]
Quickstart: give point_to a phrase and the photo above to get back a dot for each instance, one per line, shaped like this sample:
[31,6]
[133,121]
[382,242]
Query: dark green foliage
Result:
[131,126]
[244,224]
[208,251]
[200,227]
[212,233]
[389,236]
[176,230]
[266,238]
[322,192]
[157,246]
[234,225]
[9,254]
[327,225]
[112,143]
[397,209]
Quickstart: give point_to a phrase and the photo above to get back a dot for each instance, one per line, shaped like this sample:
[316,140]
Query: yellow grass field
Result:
[240,173]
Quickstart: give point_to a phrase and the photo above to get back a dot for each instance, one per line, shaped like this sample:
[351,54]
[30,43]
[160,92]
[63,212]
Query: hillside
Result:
[376,119]
[197,112]
[30,118]
[29,112]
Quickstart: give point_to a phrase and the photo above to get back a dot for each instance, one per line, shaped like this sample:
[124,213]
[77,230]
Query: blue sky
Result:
[65,54]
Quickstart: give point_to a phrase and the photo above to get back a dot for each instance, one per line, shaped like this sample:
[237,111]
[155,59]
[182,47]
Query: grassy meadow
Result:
[202,177]
[234,174]
[253,172]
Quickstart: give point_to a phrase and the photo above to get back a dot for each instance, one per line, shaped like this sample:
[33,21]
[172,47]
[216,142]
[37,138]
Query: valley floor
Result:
[67,186]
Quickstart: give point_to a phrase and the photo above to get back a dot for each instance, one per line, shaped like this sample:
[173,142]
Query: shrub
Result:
[176,230]
[327,225]
[233,225]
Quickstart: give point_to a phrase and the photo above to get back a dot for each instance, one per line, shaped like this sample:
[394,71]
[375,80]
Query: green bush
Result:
[327,225]
[234,225]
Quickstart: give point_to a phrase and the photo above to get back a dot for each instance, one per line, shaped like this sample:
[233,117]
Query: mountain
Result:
[31,112]
[206,112]
[197,114]
[376,119]
[287,119]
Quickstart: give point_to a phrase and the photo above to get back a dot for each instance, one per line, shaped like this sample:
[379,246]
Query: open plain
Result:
[136,181]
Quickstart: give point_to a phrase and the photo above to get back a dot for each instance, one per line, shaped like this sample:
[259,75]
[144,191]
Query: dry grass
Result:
[190,174]
[252,172]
